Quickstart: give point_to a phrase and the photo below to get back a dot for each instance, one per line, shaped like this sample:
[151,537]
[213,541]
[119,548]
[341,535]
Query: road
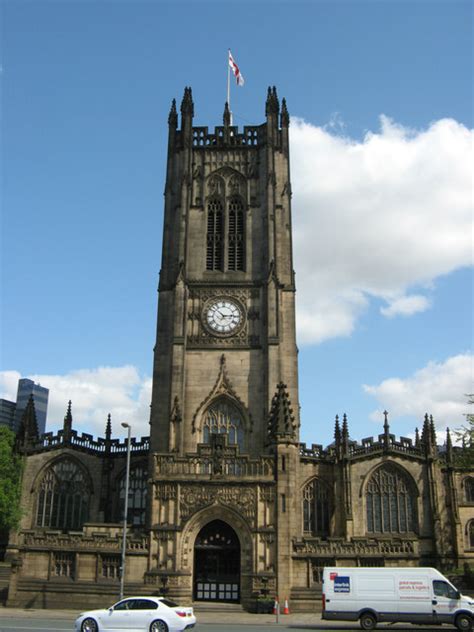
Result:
[10,622]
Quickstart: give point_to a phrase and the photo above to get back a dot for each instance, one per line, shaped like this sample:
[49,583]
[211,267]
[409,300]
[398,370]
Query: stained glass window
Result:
[390,502]
[63,498]
[137,494]
[316,508]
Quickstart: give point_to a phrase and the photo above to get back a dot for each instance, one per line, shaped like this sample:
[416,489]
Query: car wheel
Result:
[367,621]
[464,622]
[158,626]
[89,625]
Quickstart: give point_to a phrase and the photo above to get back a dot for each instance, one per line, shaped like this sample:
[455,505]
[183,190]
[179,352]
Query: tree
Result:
[10,481]
[465,435]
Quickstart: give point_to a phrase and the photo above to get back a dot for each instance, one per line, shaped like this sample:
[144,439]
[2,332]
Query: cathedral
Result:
[225,503]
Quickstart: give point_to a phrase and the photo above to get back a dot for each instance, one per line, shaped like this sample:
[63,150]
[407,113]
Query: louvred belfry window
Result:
[390,502]
[214,258]
[236,235]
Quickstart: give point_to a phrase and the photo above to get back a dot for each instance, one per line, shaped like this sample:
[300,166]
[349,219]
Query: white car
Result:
[147,614]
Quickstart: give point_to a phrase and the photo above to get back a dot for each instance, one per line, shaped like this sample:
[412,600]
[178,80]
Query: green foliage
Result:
[10,481]
[465,435]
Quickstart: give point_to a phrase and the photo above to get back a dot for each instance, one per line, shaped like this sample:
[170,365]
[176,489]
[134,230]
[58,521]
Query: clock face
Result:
[223,316]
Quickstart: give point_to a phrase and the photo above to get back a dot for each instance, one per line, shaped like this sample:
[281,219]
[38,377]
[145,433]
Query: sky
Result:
[380,98]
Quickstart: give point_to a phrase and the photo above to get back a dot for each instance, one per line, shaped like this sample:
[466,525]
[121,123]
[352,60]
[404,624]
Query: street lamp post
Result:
[125,512]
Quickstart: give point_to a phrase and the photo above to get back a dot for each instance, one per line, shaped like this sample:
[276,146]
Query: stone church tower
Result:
[225,382]
[226,504]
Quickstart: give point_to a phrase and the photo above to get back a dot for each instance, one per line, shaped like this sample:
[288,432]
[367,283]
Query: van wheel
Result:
[464,622]
[367,621]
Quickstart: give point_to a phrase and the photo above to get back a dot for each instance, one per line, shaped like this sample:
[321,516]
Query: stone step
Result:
[216,606]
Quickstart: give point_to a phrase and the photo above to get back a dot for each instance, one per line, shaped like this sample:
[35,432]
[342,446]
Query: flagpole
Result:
[228,84]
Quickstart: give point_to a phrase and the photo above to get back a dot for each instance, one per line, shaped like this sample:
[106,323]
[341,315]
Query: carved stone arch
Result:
[235,181]
[403,471]
[215,187]
[54,461]
[316,477]
[222,388]
[203,517]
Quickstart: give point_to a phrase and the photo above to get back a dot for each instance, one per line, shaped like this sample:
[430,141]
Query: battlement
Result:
[252,136]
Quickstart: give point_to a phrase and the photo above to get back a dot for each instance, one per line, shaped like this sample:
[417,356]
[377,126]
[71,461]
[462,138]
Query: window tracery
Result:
[469,489]
[222,417]
[390,502]
[137,495]
[63,497]
[316,508]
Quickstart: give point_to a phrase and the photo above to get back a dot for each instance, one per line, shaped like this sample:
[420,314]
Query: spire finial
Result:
[227,115]
[285,117]
[173,115]
[108,427]
[67,425]
[28,430]
[187,105]
[337,430]
[433,431]
[449,447]
[272,105]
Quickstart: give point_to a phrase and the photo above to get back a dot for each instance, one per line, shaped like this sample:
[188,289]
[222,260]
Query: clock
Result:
[223,316]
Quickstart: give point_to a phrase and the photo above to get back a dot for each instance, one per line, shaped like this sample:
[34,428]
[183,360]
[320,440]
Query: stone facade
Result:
[228,504]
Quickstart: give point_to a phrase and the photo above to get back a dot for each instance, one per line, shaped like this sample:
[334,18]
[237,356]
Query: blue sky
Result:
[380,95]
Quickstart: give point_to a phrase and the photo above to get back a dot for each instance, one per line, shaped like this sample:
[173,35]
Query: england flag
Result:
[235,70]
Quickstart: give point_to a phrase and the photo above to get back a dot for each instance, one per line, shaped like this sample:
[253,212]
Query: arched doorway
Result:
[217,563]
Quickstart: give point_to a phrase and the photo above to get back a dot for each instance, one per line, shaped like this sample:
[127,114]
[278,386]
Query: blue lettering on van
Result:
[342,584]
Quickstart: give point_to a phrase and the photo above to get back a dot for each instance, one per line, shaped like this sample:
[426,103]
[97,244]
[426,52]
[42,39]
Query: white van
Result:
[408,595]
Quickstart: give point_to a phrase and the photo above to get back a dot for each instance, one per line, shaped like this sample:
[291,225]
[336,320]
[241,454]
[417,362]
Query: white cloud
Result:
[375,219]
[439,389]
[120,391]
[406,306]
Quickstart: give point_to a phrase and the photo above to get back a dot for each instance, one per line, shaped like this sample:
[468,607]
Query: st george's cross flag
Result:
[235,70]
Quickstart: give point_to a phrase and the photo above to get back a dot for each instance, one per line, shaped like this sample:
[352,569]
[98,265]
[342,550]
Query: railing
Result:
[206,466]
[337,547]
[56,540]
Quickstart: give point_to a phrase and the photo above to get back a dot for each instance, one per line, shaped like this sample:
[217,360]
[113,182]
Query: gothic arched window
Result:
[469,489]
[316,508]
[236,235]
[63,498]
[137,494]
[214,258]
[470,534]
[390,502]
[222,417]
